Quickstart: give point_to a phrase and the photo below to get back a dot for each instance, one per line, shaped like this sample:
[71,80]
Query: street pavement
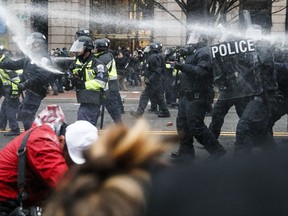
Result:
[164,127]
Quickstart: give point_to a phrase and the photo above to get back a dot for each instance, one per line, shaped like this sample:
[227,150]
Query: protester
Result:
[51,148]
[115,178]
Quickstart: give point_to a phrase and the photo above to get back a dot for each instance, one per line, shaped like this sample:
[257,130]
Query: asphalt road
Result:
[158,126]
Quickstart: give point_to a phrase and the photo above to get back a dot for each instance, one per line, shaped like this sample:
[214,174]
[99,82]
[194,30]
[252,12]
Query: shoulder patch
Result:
[100,68]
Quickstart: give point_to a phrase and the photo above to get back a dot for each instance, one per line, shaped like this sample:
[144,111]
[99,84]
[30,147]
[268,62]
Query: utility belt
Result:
[87,96]
[192,95]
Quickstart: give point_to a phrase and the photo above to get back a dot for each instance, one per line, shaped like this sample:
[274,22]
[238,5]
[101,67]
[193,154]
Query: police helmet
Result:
[81,44]
[107,41]
[160,46]
[82,32]
[35,38]
[101,44]
[151,47]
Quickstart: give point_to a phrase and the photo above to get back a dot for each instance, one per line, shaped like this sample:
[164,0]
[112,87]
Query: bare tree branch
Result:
[159,5]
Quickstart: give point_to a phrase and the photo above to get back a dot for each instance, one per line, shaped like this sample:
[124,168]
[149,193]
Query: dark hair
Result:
[63,129]
[114,178]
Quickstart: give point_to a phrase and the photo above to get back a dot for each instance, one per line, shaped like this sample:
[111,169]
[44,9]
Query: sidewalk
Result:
[133,94]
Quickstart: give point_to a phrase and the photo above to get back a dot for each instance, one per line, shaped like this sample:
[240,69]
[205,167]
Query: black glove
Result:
[80,84]
[22,86]
[177,66]
[147,83]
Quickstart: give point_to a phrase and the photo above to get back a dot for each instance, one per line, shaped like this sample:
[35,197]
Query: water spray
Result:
[105,18]
[18,31]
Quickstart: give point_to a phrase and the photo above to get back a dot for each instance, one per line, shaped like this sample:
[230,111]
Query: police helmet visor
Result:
[147,49]
[29,41]
[77,46]
[167,51]
[194,38]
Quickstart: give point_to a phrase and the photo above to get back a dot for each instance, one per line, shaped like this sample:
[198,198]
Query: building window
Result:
[260,11]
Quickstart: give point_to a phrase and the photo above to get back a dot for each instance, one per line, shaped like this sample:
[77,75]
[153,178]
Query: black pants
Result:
[190,123]
[114,106]
[29,108]
[220,110]
[154,93]
[254,128]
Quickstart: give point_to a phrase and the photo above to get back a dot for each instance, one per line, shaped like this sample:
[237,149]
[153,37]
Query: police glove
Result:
[147,83]
[177,66]
[22,86]
[80,84]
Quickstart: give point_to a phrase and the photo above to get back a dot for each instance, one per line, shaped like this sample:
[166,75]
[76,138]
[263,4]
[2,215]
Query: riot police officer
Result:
[195,98]
[113,102]
[154,70]
[11,102]
[36,68]
[91,77]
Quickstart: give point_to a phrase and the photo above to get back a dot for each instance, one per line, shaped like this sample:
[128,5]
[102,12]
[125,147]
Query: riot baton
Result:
[102,116]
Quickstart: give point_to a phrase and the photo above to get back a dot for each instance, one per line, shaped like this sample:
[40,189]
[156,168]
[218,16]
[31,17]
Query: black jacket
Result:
[36,78]
[197,74]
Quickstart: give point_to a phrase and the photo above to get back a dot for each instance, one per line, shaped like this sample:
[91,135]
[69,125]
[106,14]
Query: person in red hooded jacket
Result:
[50,149]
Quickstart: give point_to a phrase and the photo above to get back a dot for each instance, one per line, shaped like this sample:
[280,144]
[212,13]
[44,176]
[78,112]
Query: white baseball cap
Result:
[80,136]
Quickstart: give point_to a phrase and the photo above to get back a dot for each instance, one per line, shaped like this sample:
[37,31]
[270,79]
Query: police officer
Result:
[113,102]
[155,66]
[36,68]
[11,102]
[254,126]
[226,100]
[196,96]
[91,77]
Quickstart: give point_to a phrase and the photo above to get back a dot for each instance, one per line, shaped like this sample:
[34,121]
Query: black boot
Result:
[164,114]
[219,152]
[135,114]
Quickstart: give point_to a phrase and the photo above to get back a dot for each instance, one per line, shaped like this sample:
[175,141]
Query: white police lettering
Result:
[100,68]
[232,48]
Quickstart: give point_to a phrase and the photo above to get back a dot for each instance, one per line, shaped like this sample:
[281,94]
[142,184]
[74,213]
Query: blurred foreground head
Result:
[115,178]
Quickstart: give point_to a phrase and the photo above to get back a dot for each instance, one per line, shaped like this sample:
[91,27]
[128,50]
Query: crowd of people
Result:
[67,169]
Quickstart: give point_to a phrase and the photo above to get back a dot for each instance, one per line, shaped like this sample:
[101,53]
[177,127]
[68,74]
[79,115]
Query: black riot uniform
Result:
[113,101]
[154,71]
[281,108]
[34,77]
[225,101]
[254,126]
[91,77]
[196,96]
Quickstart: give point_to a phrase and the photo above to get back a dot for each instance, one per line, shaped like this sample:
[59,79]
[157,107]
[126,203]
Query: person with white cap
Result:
[51,148]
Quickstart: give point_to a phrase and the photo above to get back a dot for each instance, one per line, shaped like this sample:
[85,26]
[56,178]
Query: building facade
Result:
[127,23]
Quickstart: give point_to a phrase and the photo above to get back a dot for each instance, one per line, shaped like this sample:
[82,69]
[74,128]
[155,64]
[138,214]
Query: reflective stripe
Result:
[2,57]
[94,85]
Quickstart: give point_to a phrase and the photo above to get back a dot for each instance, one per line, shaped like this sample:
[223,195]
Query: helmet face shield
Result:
[194,38]
[29,41]
[147,49]
[77,46]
